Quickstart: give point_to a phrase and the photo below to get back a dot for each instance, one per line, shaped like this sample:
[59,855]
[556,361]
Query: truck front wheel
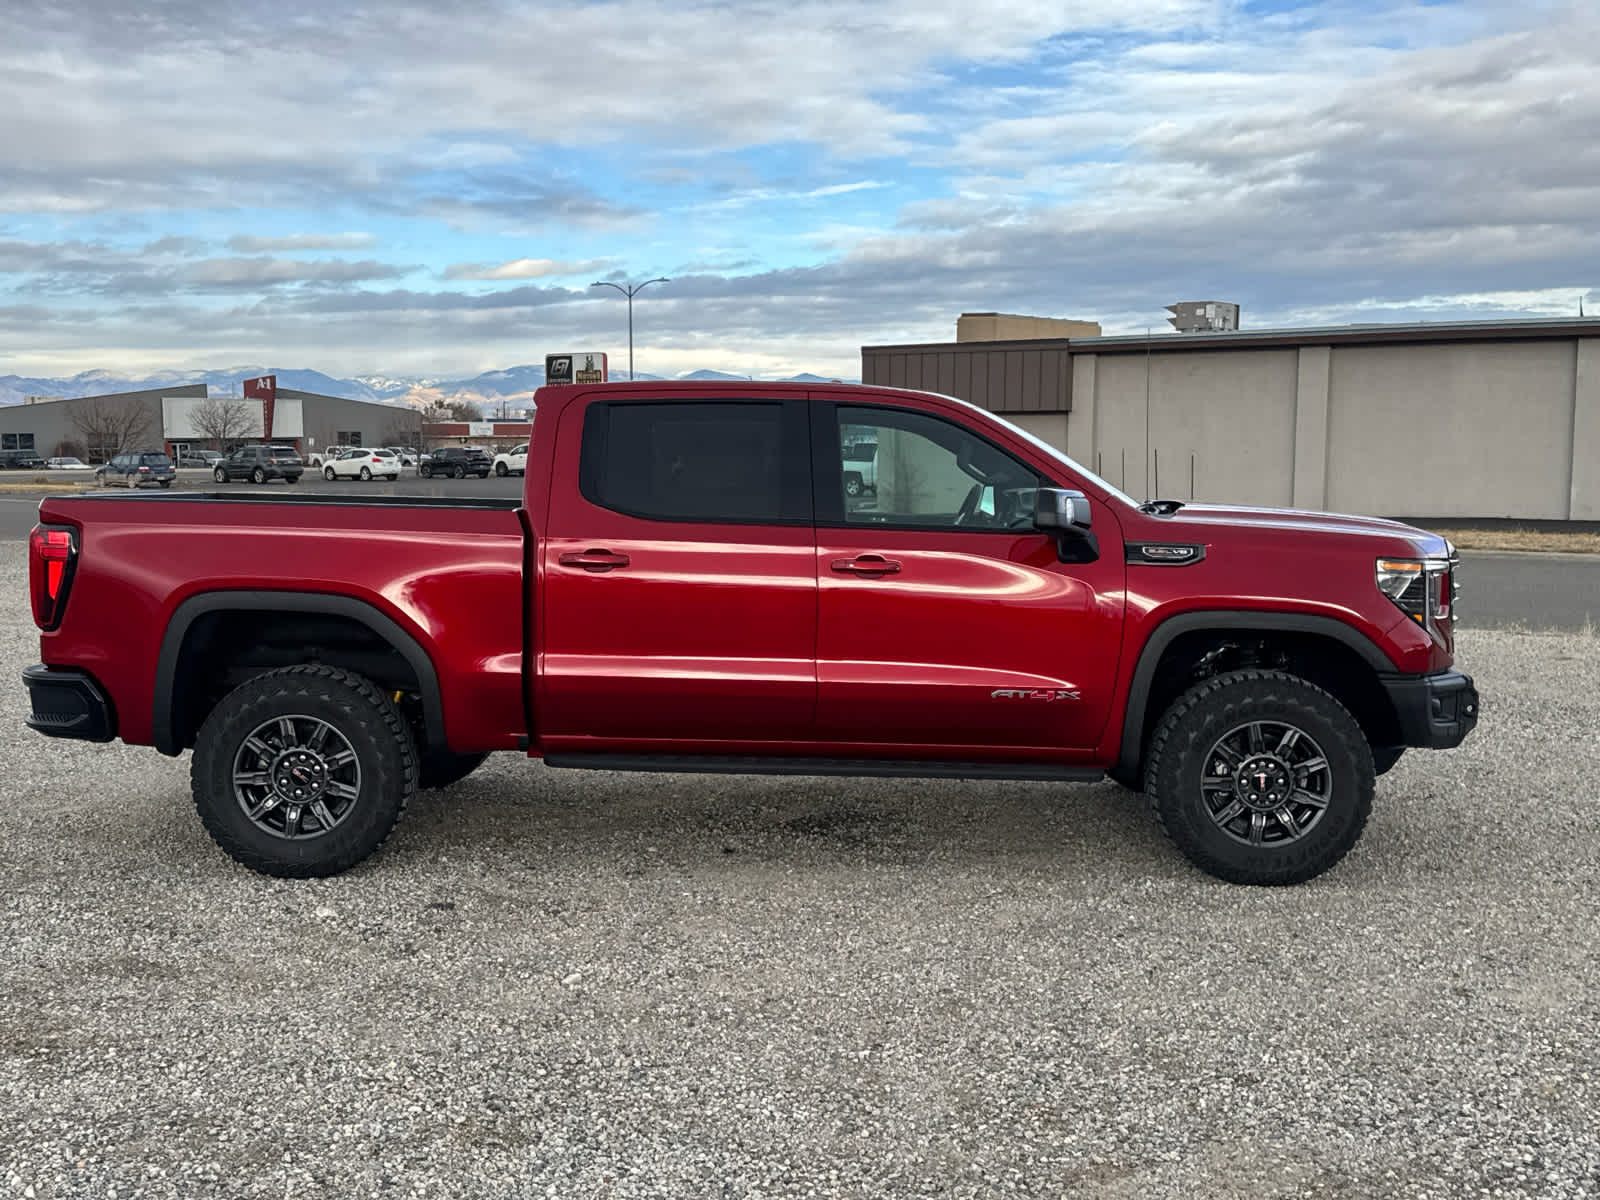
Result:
[852,484]
[303,772]
[1260,777]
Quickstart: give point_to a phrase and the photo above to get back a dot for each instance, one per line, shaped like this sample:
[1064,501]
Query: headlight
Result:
[1422,588]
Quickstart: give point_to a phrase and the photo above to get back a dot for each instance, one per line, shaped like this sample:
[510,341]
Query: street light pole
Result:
[630,291]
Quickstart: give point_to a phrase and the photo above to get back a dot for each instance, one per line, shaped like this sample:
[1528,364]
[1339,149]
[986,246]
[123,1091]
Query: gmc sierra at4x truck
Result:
[689,584]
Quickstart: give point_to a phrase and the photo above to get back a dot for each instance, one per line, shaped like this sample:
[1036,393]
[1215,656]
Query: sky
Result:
[430,189]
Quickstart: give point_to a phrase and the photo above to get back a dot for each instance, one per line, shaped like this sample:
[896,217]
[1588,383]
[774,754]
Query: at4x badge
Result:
[1035,694]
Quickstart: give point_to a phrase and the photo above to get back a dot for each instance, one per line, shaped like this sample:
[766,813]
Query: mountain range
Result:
[491,387]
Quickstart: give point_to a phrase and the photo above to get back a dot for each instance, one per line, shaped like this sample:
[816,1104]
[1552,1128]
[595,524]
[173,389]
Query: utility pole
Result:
[630,291]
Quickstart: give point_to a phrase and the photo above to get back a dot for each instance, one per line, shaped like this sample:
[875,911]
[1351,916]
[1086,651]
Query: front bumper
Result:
[1435,711]
[68,703]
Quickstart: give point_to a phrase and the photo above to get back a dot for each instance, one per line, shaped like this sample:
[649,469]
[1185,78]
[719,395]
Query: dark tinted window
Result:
[155,460]
[284,450]
[687,461]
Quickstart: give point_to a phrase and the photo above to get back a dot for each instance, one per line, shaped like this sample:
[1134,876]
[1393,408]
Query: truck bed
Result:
[447,571]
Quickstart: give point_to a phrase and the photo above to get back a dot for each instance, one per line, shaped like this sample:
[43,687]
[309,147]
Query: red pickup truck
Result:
[689,585]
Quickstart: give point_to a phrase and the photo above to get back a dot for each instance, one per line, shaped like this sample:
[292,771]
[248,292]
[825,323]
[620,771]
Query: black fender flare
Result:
[163,734]
[1176,626]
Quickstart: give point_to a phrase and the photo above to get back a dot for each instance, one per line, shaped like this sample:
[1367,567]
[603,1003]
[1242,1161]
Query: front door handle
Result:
[594,560]
[867,564]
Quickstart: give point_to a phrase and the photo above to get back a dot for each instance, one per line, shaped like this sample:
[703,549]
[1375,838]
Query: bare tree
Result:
[402,433]
[225,420]
[109,428]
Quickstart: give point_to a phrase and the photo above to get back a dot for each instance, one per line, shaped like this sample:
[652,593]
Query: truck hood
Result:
[1195,521]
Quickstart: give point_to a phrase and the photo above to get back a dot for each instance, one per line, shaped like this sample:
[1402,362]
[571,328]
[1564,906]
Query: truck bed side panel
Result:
[450,577]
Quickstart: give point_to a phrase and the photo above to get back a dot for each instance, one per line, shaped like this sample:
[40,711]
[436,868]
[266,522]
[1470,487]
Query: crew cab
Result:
[686,584]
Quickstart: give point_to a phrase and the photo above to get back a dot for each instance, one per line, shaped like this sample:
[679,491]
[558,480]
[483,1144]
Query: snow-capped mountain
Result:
[491,386]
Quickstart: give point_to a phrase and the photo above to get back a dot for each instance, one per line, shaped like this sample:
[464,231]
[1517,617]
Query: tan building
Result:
[1476,419]
[1009,327]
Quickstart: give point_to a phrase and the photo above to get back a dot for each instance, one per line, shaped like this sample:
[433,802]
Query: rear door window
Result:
[740,461]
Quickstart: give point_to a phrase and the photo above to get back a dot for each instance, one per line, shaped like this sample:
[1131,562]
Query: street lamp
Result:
[630,291]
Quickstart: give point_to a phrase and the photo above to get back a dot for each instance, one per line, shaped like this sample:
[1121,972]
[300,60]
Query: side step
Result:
[891,768]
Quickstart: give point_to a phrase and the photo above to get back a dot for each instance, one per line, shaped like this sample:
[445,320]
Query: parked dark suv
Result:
[136,468]
[456,462]
[261,463]
[21,460]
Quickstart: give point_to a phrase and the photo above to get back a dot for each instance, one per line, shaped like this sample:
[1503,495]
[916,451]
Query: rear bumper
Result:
[1435,711]
[68,703]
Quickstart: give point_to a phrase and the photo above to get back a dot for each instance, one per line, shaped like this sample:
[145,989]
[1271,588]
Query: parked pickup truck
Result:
[683,587]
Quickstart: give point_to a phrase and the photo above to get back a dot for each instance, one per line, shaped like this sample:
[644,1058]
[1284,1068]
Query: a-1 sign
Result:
[583,366]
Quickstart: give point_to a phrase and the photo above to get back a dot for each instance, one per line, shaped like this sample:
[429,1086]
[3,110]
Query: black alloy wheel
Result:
[1260,777]
[425,471]
[303,771]
[459,472]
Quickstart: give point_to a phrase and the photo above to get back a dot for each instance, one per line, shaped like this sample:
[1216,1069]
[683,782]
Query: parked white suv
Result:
[362,462]
[513,462]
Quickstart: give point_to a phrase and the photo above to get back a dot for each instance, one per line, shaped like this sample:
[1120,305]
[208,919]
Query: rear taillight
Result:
[52,555]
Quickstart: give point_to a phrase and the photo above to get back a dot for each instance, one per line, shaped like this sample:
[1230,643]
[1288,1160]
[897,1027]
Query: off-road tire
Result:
[363,716]
[441,768]
[1188,733]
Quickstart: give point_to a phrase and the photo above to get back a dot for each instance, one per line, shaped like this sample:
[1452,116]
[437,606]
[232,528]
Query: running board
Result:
[891,768]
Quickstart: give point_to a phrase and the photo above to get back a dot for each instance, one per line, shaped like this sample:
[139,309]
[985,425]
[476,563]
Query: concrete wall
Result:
[1453,430]
[1227,418]
[1492,428]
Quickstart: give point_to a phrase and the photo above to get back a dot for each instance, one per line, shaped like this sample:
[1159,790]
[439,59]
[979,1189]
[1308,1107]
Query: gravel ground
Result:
[556,984]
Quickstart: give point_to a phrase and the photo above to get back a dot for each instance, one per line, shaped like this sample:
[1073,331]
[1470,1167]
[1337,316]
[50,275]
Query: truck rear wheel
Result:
[1260,777]
[440,768]
[303,772]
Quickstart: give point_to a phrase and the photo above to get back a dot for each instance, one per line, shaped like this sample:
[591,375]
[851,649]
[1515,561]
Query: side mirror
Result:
[1066,514]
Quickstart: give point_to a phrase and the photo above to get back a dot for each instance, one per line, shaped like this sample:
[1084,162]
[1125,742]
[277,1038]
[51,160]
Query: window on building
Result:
[724,462]
[348,437]
[16,441]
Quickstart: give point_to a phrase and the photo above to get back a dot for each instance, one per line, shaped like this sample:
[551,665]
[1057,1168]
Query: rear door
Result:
[678,583]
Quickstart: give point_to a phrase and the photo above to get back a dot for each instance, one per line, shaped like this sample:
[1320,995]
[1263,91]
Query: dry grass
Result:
[1523,539]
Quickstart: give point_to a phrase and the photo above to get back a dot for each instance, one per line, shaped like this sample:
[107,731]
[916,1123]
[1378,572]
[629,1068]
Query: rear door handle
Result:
[594,560]
[867,564]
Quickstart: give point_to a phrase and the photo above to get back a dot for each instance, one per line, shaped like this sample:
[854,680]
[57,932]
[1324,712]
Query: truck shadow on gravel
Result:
[555,815]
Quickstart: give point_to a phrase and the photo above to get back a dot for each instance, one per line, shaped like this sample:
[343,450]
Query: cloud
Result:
[527,268]
[249,244]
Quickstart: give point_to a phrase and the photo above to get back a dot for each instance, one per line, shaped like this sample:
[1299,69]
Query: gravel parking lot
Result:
[557,984]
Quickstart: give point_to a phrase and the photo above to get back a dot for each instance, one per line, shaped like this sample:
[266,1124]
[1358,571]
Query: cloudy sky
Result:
[429,189]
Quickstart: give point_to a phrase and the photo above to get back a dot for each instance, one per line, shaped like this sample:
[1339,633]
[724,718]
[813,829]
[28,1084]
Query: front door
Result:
[678,585]
[944,618]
